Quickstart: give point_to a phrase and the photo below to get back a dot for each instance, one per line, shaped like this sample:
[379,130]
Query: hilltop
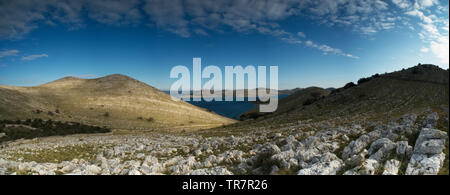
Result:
[116,101]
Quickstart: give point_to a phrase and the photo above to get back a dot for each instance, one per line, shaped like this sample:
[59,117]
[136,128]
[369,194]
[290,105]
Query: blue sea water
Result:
[231,109]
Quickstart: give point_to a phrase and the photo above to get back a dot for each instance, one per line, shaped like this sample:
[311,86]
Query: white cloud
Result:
[19,17]
[114,12]
[420,14]
[402,3]
[369,30]
[168,15]
[200,31]
[7,53]
[424,50]
[301,34]
[423,4]
[328,50]
[33,57]
[434,30]
[439,48]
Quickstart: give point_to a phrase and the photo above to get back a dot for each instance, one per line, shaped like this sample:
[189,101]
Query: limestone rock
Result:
[391,167]
[211,171]
[428,157]
[431,120]
[329,164]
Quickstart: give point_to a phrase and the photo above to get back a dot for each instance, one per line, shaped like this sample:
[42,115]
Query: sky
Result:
[324,43]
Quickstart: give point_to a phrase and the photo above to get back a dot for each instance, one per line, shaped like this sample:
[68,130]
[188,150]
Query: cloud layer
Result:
[199,17]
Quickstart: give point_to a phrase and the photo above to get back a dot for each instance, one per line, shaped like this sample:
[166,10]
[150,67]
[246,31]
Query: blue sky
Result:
[324,43]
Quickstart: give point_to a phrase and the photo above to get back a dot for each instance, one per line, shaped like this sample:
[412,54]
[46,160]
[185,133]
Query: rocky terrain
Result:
[393,124]
[411,145]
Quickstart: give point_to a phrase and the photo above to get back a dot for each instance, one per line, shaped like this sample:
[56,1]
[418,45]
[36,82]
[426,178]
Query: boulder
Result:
[356,159]
[428,157]
[369,167]
[93,170]
[404,151]
[381,149]
[285,160]
[265,153]
[391,167]
[356,146]
[306,157]
[431,120]
[329,164]
[421,164]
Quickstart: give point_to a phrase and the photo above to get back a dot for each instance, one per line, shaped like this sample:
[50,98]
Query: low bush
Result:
[29,129]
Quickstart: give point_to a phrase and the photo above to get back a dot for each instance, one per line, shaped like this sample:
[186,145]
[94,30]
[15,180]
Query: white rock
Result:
[93,169]
[421,164]
[211,171]
[428,157]
[322,168]
[328,164]
[369,167]
[391,167]
[134,172]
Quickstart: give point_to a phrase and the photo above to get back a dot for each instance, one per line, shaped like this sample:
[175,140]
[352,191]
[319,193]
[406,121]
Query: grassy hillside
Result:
[298,98]
[115,101]
[378,98]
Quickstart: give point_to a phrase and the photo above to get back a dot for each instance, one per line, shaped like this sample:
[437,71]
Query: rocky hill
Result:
[115,101]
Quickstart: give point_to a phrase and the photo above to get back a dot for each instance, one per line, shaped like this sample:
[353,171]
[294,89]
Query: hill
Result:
[381,97]
[114,101]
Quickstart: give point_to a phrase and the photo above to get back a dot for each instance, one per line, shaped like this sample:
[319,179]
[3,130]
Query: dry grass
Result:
[87,100]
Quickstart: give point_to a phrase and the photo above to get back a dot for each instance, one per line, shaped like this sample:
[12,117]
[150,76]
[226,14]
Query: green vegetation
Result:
[57,155]
[29,129]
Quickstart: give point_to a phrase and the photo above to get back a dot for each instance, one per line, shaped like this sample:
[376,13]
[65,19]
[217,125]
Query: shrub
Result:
[140,118]
[106,114]
[416,70]
[57,111]
[44,129]
[309,101]
[335,91]
[50,113]
[363,80]
[316,95]
[150,119]
[349,85]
